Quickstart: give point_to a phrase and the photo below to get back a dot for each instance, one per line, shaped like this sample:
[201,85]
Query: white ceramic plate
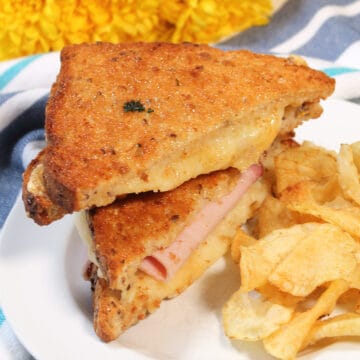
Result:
[48,304]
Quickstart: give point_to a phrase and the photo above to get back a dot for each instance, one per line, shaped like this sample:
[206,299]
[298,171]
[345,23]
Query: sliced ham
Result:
[163,264]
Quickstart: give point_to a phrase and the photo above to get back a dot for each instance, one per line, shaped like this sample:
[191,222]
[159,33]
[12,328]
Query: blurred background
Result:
[37,26]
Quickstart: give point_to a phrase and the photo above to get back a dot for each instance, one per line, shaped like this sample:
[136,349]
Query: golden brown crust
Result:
[130,229]
[195,91]
[111,317]
[115,311]
[38,206]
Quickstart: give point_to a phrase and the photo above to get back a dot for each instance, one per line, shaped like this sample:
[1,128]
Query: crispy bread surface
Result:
[130,229]
[115,311]
[204,110]
[38,205]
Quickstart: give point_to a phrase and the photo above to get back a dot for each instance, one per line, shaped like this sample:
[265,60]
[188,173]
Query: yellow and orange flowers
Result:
[34,26]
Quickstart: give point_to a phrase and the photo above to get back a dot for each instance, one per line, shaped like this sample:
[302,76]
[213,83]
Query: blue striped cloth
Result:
[326,32]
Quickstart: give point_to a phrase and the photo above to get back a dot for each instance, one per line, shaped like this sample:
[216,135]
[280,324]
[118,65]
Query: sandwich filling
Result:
[164,263]
[186,216]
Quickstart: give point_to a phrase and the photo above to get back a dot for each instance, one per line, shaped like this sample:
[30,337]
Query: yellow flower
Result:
[34,26]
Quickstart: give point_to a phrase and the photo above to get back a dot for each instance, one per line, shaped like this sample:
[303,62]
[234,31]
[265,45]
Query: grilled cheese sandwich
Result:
[160,147]
[131,118]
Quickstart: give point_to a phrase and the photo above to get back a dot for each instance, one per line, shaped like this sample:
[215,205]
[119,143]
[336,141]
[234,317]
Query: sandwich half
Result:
[138,117]
[150,247]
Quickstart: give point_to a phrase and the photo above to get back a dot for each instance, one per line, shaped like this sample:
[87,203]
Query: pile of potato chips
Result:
[301,263]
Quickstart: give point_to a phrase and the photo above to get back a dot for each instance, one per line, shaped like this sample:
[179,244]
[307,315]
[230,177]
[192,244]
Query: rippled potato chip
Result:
[241,239]
[279,145]
[351,297]
[274,214]
[341,325]
[355,147]
[357,306]
[327,253]
[260,260]
[338,212]
[307,163]
[250,317]
[288,340]
[348,174]
[276,296]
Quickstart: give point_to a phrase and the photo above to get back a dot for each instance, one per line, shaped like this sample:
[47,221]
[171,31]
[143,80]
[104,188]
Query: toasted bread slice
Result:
[139,117]
[129,230]
[37,203]
[117,310]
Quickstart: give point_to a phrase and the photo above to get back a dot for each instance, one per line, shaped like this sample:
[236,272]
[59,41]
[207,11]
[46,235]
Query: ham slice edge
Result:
[163,264]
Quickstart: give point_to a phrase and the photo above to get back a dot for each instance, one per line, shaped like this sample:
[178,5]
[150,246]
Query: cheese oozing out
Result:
[163,264]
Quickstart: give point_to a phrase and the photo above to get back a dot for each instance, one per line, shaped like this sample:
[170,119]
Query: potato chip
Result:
[337,212]
[357,306]
[348,174]
[355,147]
[341,325]
[276,296]
[241,239]
[258,261]
[311,191]
[267,160]
[355,298]
[307,255]
[287,341]
[327,253]
[250,317]
[351,296]
[273,215]
[306,163]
